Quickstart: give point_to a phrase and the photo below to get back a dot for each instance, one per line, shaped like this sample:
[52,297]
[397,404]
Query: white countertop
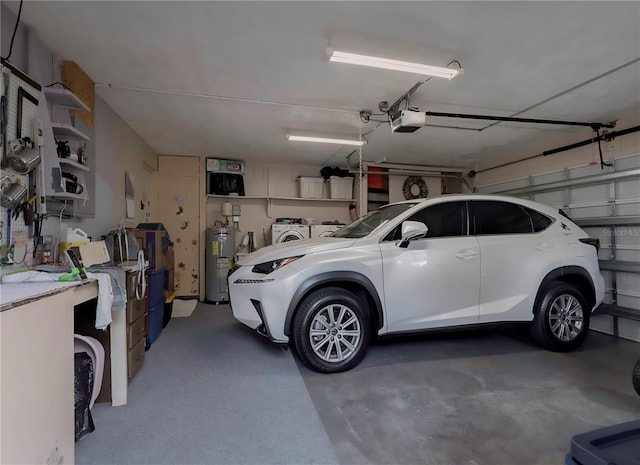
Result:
[14,294]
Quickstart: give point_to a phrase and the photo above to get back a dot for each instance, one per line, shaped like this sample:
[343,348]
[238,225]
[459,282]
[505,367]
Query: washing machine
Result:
[321,230]
[288,232]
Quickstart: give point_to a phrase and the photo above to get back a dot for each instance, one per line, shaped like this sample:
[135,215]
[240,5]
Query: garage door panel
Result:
[554,198]
[602,323]
[628,244]
[628,198]
[629,329]
[553,176]
[628,291]
[504,186]
[628,190]
[608,285]
[589,195]
[585,170]
[580,212]
[627,163]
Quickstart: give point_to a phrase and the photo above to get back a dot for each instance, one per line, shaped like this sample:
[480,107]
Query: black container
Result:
[617,444]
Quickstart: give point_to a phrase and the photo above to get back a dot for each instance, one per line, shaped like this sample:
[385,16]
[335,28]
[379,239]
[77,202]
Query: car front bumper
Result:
[261,301]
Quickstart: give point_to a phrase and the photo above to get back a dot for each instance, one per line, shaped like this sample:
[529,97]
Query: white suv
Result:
[446,262]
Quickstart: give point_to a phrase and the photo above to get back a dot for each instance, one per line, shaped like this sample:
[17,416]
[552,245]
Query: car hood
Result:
[293,248]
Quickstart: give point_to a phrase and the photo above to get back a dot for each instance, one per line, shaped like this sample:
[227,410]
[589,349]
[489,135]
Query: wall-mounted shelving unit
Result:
[57,125]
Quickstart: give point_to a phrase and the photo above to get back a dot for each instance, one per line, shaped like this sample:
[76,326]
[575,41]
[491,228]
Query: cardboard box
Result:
[155,245]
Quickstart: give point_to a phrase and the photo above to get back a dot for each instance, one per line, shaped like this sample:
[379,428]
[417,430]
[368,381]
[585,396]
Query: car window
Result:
[447,219]
[372,220]
[540,221]
[495,217]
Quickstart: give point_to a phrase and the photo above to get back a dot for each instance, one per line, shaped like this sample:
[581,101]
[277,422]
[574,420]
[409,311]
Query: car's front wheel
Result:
[561,319]
[331,330]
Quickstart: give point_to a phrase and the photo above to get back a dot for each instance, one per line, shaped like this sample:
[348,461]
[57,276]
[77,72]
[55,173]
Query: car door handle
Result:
[544,247]
[467,254]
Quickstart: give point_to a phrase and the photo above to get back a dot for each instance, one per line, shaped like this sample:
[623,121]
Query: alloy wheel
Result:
[566,318]
[335,333]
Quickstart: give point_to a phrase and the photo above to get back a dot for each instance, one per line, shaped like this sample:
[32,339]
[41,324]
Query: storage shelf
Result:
[66,196]
[74,164]
[63,98]
[263,197]
[66,131]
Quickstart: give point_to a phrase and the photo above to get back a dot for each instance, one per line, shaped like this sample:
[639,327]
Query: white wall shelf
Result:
[67,196]
[264,197]
[67,132]
[74,164]
[63,98]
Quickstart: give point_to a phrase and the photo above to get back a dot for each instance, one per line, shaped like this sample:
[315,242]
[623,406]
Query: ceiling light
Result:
[377,62]
[326,140]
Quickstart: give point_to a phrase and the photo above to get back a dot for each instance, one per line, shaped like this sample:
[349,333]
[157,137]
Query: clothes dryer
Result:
[288,232]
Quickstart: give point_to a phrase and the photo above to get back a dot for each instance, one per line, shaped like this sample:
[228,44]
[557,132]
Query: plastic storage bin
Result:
[155,283]
[310,187]
[340,188]
[156,317]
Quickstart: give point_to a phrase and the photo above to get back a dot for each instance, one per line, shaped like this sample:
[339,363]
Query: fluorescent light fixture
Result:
[326,140]
[376,62]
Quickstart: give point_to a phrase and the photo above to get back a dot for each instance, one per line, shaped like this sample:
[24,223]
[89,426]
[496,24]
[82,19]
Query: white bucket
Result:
[72,237]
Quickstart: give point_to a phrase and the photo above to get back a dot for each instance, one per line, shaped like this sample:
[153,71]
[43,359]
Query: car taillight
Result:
[591,241]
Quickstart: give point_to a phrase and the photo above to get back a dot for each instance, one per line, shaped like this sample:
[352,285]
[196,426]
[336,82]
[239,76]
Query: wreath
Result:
[414,187]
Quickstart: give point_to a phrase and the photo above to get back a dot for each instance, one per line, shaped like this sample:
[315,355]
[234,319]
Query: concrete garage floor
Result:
[482,397]
[211,391]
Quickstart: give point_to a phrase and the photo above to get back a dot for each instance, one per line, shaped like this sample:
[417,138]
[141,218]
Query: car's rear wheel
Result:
[561,320]
[636,377]
[331,330]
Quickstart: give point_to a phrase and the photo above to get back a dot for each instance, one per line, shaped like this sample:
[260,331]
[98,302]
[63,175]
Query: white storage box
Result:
[340,188]
[310,187]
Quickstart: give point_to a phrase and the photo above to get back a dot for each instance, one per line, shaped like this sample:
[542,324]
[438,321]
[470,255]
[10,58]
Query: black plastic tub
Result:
[617,444]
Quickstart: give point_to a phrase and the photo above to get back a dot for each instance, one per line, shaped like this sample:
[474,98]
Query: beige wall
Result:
[621,146]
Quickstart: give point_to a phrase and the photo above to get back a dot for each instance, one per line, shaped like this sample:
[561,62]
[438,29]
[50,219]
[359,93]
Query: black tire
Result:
[337,347]
[636,377]
[561,319]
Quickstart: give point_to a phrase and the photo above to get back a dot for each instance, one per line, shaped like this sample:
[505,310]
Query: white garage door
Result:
[606,203]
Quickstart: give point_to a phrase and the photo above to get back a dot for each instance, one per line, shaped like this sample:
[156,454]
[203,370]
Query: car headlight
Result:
[273,265]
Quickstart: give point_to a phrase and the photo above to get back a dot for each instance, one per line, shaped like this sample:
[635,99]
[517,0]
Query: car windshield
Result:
[372,220]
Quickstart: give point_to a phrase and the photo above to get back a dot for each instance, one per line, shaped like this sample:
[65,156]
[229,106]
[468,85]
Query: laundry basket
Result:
[95,350]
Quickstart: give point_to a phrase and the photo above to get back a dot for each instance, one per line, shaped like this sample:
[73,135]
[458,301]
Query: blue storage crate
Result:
[155,283]
[156,317]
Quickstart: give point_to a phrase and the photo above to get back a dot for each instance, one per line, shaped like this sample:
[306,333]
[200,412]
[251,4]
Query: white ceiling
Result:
[230,79]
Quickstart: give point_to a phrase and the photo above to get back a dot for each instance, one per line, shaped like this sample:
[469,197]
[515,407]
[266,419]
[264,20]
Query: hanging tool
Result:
[27,211]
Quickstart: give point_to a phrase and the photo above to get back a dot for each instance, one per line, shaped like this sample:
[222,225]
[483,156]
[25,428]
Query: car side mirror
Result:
[412,230]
